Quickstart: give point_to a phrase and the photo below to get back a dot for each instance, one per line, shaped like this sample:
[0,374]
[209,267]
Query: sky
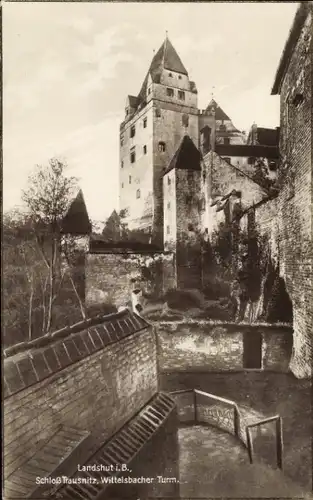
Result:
[68,68]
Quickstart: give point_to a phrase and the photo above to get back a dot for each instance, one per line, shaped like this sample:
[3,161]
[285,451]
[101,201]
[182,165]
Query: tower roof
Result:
[187,156]
[165,58]
[219,113]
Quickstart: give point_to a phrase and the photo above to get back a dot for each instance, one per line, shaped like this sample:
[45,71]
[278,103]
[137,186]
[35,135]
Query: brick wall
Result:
[205,346]
[295,217]
[98,392]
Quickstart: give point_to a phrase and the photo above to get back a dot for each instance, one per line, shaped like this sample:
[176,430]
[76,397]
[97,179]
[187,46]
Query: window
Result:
[170,74]
[168,181]
[157,112]
[223,127]
[122,140]
[179,76]
[122,164]
[132,131]
[181,95]
[126,112]
[227,140]
[227,159]
[122,185]
[145,123]
[170,92]
[185,120]
[149,90]
[169,205]
[168,230]
[130,179]
[132,156]
[145,150]
[162,147]
[138,193]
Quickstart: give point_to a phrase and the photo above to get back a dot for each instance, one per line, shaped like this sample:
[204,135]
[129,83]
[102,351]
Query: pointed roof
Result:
[76,220]
[165,58]
[219,113]
[187,156]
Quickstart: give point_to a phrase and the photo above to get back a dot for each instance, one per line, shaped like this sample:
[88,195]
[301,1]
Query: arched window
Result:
[138,193]
[162,147]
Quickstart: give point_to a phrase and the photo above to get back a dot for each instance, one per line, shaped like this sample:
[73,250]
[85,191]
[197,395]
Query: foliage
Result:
[40,285]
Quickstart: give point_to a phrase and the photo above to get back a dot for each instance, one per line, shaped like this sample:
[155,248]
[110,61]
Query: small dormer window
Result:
[223,128]
[181,95]
[162,147]
[170,74]
[179,76]
[132,131]
[170,92]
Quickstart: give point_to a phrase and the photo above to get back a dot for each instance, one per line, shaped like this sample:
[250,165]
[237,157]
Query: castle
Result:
[163,130]
[184,170]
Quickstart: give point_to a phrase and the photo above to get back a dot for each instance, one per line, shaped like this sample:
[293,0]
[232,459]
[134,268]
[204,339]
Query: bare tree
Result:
[47,199]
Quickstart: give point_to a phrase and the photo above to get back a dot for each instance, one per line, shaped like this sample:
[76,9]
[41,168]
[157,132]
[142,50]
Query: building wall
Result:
[141,171]
[208,347]
[170,210]
[99,393]
[168,128]
[295,216]
[219,179]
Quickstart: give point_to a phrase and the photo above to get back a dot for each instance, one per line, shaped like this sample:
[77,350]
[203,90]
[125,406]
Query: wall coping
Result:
[286,327]
[31,362]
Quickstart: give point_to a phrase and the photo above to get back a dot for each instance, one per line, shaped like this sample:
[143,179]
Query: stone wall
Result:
[210,347]
[95,380]
[112,277]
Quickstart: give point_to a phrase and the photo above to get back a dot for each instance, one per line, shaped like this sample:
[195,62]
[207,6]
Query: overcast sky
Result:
[68,68]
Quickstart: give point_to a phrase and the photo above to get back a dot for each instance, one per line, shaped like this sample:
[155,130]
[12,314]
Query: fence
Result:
[198,407]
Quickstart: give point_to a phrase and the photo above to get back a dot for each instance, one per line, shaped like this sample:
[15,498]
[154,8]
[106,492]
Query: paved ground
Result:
[270,394]
[213,464]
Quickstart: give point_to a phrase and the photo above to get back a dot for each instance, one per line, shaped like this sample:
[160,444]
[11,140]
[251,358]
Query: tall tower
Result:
[155,123]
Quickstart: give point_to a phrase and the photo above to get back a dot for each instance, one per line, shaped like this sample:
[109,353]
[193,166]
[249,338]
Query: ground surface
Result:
[270,394]
[214,464]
